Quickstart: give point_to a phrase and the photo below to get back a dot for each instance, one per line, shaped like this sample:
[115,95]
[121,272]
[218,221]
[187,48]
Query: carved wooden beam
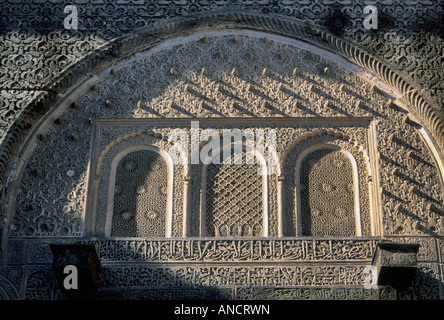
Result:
[396,265]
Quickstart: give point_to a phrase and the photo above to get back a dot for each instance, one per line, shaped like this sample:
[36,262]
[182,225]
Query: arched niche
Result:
[312,168]
[234,198]
[140,194]
[128,151]
[327,193]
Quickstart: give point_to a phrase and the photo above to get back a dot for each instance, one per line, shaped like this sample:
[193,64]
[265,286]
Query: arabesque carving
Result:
[228,79]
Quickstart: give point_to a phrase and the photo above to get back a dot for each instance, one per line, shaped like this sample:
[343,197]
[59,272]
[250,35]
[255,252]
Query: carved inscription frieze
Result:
[236,250]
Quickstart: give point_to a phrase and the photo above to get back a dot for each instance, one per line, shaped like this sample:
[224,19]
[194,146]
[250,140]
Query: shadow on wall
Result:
[425,284]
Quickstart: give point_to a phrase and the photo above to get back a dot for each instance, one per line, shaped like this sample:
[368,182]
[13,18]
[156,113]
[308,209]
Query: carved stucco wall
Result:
[50,197]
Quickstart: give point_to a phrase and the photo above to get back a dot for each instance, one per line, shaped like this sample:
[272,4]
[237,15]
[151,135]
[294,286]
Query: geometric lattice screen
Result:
[327,199]
[140,196]
[234,199]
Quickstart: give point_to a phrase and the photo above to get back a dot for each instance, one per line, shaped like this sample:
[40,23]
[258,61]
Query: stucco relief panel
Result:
[234,75]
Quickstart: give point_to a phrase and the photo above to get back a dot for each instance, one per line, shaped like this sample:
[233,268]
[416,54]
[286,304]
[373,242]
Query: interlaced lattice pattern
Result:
[327,202]
[140,196]
[234,203]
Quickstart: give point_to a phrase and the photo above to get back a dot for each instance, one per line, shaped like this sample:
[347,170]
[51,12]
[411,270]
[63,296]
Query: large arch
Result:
[78,77]
[311,112]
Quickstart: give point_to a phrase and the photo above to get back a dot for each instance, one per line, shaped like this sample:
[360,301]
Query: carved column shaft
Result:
[186,206]
[281,205]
